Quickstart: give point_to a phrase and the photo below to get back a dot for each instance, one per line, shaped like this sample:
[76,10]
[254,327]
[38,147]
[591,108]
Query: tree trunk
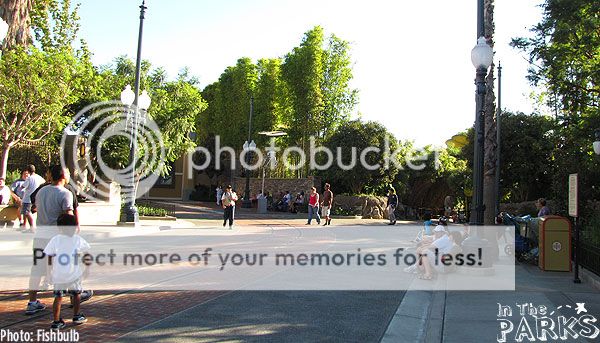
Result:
[16,13]
[4,159]
[489,169]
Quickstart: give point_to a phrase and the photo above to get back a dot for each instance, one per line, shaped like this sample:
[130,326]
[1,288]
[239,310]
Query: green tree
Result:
[317,75]
[527,149]
[175,108]
[360,135]
[39,81]
[565,63]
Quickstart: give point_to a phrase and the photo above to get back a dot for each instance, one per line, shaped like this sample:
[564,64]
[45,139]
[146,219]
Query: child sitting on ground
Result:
[66,270]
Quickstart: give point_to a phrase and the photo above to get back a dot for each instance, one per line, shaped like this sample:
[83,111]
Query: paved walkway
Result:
[194,316]
[473,316]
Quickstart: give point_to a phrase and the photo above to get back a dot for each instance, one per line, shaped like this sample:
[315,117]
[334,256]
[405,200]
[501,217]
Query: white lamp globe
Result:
[3,29]
[482,54]
[144,101]
[127,96]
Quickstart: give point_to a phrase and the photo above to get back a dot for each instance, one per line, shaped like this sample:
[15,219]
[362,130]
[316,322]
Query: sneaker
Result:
[329,222]
[83,297]
[224,224]
[34,307]
[79,319]
[58,325]
[307,224]
[230,227]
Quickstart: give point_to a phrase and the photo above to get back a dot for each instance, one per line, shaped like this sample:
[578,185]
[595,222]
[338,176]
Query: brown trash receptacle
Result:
[555,244]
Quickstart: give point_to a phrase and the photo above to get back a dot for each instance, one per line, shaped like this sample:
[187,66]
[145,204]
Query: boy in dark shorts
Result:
[66,272]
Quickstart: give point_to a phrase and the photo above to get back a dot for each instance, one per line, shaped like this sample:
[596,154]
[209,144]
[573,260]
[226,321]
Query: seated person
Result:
[445,244]
[298,202]
[427,229]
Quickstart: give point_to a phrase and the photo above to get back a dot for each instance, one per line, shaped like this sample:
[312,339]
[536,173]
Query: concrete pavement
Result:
[468,316]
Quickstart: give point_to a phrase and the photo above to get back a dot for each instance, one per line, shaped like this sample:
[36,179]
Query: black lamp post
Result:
[248,146]
[498,139]
[130,213]
[482,56]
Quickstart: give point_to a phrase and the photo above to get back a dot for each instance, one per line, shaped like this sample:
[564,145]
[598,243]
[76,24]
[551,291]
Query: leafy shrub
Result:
[12,176]
[149,211]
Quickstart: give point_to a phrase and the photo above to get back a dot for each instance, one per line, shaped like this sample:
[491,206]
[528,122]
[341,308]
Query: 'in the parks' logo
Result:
[531,323]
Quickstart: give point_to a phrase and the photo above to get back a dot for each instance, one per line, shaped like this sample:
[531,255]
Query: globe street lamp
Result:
[247,203]
[482,57]
[597,142]
[3,32]
[130,213]
[135,115]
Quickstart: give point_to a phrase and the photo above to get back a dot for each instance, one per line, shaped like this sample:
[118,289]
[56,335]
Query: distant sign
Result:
[573,200]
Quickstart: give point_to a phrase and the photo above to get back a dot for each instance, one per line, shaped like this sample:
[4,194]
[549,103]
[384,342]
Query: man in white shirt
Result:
[51,201]
[30,185]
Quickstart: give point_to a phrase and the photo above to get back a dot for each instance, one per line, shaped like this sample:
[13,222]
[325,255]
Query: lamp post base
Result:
[129,214]
[480,248]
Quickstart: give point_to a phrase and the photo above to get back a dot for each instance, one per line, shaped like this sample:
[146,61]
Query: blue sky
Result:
[411,58]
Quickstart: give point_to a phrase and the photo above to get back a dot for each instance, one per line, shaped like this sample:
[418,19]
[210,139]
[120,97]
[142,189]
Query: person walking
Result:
[313,206]
[326,204]
[67,275]
[228,202]
[392,203]
[219,195]
[30,185]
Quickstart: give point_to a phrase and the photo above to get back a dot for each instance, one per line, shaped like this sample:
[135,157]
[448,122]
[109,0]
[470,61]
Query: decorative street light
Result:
[597,142]
[271,155]
[129,214]
[3,30]
[247,203]
[482,56]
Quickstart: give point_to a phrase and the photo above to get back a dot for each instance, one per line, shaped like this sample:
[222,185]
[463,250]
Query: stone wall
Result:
[277,186]
[369,207]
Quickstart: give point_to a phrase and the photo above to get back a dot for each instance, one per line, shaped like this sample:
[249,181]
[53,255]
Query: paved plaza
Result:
[141,315]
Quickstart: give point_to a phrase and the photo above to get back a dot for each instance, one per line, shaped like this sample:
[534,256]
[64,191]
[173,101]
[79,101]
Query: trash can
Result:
[555,244]
[262,205]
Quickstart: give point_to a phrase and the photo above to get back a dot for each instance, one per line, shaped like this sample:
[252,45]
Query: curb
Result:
[419,318]
[589,277]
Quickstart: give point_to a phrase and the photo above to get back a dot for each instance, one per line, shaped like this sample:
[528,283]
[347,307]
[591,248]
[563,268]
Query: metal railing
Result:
[589,257]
